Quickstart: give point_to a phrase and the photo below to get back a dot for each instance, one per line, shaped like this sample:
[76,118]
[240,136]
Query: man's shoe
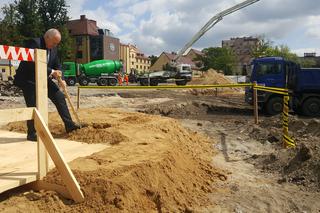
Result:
[32,137]
[72,128]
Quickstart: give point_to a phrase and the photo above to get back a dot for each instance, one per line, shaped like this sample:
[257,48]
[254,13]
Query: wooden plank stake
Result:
[42,185]
[56,156]
[19,114]
[255,103]
[42,105]
[78,99]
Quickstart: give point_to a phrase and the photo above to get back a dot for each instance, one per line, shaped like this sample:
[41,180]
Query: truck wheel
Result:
[112,82]
[83,81]
[144,82]
[311,107]
[71,81]
[102,82]
[181,83]
[274,106]
[153,83]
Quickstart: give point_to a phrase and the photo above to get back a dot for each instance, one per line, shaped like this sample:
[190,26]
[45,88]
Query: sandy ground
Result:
[195,153]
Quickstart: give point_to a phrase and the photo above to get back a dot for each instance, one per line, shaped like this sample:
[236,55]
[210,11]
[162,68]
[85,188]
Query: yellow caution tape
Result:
[266,89]
[272,88]
[167,86]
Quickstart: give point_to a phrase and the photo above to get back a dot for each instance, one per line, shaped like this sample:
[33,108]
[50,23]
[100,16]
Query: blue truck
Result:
[303,85]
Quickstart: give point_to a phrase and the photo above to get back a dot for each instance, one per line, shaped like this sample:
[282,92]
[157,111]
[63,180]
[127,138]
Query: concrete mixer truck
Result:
[102,72]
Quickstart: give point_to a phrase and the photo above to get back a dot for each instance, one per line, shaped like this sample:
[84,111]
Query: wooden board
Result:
[18,114]
[18,157]
[42,105]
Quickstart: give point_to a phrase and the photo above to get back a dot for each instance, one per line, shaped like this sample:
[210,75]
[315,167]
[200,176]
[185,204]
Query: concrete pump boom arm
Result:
[213,21]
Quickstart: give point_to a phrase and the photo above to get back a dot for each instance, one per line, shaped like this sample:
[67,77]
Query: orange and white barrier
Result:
[16,53]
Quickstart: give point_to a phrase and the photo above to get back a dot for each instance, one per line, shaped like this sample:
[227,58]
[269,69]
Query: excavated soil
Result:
[210,77]
[301,165]
[153,165]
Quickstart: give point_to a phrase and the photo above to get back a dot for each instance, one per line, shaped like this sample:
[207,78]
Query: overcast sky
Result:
[162,25]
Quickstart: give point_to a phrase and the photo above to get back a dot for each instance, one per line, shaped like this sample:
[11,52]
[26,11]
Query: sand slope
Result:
[154,165]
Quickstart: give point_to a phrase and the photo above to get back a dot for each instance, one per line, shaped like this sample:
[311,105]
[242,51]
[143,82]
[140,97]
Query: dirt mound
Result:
[196,109]
[8,89]
[301,165]
[158,166]
[212,77]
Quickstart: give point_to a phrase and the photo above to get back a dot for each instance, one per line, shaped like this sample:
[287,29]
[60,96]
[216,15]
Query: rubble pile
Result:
[8,89]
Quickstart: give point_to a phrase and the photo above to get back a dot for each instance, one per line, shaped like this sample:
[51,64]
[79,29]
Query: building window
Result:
[78,41]
[132,56]
[144,67]
[132,63]
[140,66]
[137,66]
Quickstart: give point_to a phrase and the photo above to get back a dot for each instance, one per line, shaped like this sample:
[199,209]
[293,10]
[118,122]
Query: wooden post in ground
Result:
[255,103]
[78,99]
[42,105]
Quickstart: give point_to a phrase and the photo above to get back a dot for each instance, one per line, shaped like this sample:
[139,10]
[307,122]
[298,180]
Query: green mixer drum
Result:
[96,68]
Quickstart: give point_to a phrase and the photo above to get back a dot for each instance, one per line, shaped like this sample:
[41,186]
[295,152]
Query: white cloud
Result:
[2,4]
[75,8]
[313,25]
[164,25]
[300,52]
[103,20]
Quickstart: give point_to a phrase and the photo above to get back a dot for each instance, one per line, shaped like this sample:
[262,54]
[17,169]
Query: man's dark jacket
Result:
[25,73]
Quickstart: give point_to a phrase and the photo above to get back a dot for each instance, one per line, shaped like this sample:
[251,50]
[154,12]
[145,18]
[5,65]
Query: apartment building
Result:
[90,42]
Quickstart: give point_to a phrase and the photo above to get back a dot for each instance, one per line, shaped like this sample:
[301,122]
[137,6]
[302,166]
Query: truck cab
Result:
[69,71]
[181,75]
[303,85]
[270,72]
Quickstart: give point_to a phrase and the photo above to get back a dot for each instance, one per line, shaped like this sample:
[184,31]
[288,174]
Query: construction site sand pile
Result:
[152,165]
[210,77]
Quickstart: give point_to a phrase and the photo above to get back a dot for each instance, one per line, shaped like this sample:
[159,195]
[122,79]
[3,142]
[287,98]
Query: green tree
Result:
[265,48]
[168,66]
[28,20]
[307,62]
[217,58]
[9,34]
[53,13]
[153,59]
[65,47]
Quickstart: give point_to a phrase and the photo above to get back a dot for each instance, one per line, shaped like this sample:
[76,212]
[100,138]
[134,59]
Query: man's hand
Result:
[55,74]
[62,84]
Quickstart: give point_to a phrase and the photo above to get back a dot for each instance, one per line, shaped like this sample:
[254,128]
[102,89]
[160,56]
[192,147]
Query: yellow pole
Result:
[287,141]
[255,103]
[78,99]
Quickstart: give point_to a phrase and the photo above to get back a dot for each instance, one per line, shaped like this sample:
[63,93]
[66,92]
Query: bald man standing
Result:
[25,80]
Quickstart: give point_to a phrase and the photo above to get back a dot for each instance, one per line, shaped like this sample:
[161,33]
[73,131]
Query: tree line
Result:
[225,59]
[26,19]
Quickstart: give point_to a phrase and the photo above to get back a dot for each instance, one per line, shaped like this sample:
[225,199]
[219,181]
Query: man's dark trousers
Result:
[56,96]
